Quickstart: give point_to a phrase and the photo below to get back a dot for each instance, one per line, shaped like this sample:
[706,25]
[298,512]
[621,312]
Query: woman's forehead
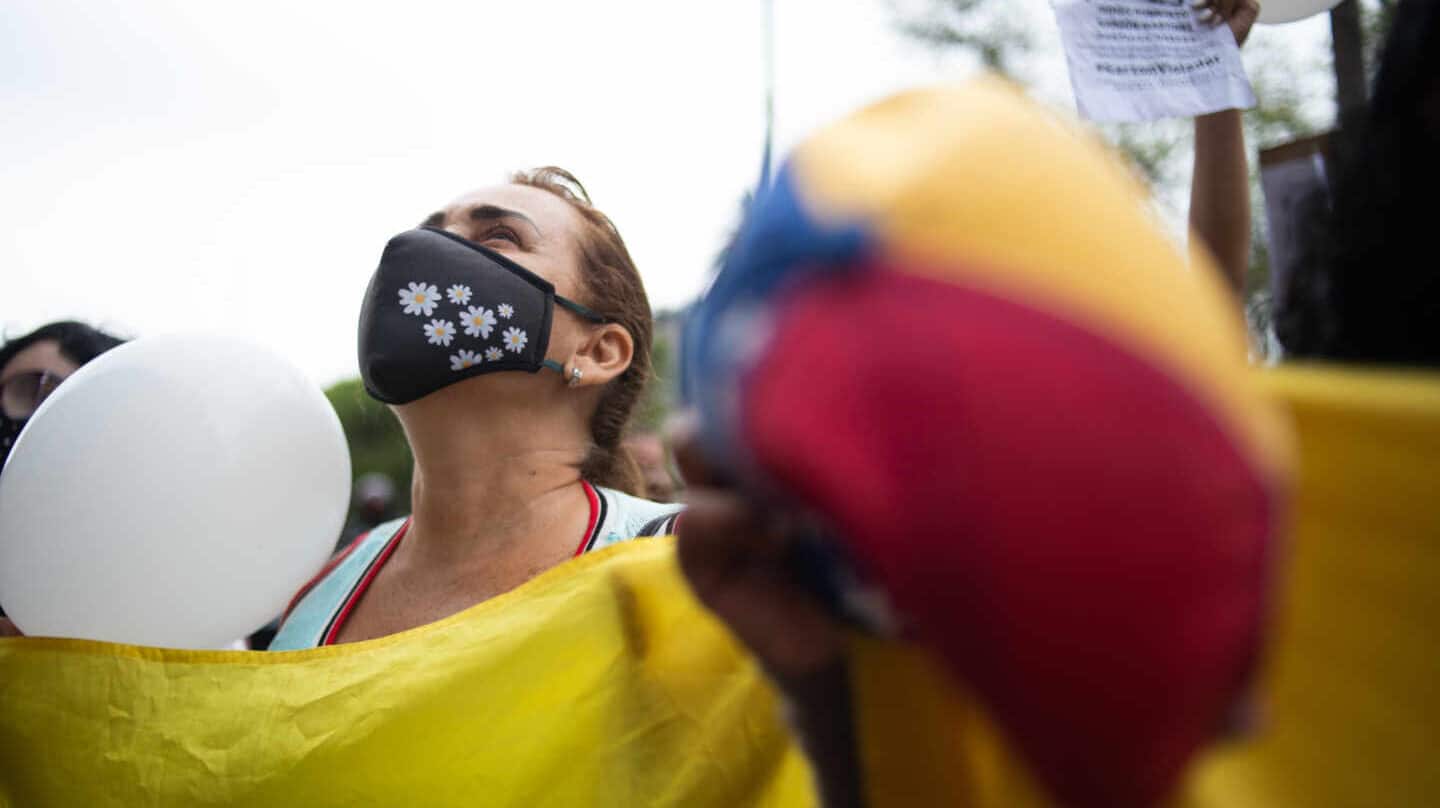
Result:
[548,225]
[550,214]
[42,355]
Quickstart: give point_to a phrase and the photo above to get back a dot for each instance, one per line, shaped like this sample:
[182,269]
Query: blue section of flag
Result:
[779,243]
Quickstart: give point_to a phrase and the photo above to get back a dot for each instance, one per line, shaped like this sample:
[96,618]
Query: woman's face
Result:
[30,375]
[43,357]
[537,230]
[532,227]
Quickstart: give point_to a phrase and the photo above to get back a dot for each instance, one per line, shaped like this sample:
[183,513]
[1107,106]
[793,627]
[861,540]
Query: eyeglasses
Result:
[22,395]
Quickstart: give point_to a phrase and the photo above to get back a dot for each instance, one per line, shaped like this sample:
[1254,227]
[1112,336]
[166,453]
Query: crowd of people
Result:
[563,476]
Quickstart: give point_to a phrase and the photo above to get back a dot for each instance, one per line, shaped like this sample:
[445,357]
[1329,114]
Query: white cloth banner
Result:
[1141,60]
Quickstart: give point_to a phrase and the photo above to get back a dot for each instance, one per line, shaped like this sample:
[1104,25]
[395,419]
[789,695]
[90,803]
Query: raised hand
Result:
[1240,15]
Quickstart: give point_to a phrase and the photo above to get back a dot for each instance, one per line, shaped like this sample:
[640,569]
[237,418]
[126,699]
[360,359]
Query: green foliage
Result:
[377,443]
[662,394]
[1154,149]
[376,440]
[1160,151]
[982,28]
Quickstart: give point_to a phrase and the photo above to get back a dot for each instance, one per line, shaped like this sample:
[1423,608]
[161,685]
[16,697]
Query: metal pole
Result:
[767,7]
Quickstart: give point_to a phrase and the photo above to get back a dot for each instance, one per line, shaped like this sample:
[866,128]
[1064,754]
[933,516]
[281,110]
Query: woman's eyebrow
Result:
[489,212]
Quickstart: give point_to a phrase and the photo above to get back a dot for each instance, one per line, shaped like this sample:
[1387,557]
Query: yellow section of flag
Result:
[601,682]
[974,184]
[1351,715]
[1350,708]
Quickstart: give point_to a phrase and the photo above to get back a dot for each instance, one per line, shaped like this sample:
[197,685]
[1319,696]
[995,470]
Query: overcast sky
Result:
[237,167]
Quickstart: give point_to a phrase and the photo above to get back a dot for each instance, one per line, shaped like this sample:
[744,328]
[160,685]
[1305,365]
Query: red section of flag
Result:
[1068,526]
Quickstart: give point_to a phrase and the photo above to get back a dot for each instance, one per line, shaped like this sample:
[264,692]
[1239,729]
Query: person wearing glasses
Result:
[33,365]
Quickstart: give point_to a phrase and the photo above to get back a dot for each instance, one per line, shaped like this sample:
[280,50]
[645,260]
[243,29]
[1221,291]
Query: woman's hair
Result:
[1367,289]
[613,288]
[78,342]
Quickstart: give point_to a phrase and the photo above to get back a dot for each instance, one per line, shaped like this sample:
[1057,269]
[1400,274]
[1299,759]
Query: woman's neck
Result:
[498,490]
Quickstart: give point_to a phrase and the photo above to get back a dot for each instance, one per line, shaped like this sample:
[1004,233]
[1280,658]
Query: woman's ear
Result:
[605,354]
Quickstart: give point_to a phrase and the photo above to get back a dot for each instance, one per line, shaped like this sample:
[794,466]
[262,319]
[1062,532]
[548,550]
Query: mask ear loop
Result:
[575,374]
[572,378]
[587,313]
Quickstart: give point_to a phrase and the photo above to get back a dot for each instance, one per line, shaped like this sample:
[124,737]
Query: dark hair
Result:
[614,289]
[1368,291]
[78,342]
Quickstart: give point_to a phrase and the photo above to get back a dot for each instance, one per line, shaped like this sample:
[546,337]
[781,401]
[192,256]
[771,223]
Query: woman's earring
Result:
[575,375]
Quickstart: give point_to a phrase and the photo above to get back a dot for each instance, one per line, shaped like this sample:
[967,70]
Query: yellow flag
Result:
[601,682]
[1351,714]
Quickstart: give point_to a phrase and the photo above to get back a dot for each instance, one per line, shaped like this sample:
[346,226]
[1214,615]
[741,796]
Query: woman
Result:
[515,471]
[33,365]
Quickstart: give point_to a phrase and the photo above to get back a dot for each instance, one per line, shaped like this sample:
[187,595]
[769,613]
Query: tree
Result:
[993,31]
[376,441]
[976,26]
[662,392]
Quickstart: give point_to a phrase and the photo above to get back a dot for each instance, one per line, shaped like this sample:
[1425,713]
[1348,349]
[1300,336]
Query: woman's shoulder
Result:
[625,516]
[318,601]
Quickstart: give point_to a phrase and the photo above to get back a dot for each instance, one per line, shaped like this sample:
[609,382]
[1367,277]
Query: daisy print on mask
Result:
[440,332]
[506,310]
[464,359]
[514,340]
[420,298]
[478,321]
[493,355]
[459,294]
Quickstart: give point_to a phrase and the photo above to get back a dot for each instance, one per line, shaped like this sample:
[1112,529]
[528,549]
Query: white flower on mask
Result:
[514,339]
[464,359]
[493,355]
[478,321]
[440,332]
[458,294]
[420,298]
[506,310]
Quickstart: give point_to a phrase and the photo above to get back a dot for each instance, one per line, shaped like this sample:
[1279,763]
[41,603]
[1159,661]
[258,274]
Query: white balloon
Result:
[175,491]
[1278,11]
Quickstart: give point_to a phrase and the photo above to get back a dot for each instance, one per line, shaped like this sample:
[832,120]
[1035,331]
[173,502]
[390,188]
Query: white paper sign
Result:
[1141,60]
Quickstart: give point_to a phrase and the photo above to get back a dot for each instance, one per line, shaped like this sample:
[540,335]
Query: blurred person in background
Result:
[1368,290]
[374,503]
[31,367]
[653,458]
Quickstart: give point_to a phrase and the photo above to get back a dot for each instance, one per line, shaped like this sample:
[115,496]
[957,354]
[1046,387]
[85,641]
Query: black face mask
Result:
[441,309]
[9,433]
